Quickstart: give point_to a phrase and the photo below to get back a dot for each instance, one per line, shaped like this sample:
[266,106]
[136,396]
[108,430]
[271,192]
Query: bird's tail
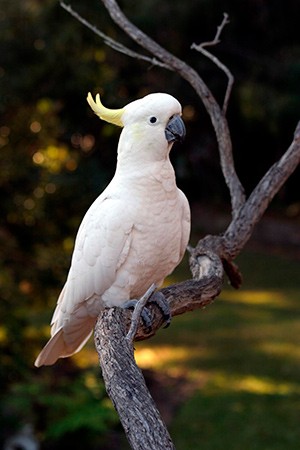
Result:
[57,347]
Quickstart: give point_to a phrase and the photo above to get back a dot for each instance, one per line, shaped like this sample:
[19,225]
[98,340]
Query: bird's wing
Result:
[185,223]
[102,246]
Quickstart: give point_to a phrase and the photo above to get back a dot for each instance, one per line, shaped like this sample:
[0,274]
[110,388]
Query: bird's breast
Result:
[155,241]
[154,246]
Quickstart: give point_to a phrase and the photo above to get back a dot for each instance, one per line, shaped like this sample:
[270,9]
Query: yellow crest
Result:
[109,115]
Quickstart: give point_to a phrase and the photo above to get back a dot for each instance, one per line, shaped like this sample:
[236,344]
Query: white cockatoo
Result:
[136,231]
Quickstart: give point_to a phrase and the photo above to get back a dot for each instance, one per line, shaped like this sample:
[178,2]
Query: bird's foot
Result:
[140,311]
[144,314]
[162,304]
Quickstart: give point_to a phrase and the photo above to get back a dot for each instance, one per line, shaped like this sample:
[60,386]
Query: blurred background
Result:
[228,376]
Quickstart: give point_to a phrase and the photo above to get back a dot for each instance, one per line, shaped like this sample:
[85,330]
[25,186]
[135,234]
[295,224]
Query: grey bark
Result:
[123,379]
[126,386]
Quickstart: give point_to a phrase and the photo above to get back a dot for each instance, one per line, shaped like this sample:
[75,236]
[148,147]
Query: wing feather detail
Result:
[101,248]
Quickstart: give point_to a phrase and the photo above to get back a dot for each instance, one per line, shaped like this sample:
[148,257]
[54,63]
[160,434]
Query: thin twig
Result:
[135,319]
[216,40]
[189,74]
[200,48]
[115,45]
[167,60]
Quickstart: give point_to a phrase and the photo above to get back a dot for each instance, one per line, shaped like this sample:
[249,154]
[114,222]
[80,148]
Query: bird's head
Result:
[155,118]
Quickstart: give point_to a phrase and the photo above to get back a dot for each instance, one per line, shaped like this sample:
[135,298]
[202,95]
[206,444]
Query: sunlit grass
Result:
[259,297]
[161,357]
[242,355]
[3,334]
[221,382]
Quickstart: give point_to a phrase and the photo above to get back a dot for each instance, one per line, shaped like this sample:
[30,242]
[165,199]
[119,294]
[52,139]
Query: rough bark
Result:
[126,386]
[206,285]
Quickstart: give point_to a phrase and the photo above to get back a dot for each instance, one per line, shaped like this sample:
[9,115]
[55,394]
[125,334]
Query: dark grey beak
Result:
[175,130]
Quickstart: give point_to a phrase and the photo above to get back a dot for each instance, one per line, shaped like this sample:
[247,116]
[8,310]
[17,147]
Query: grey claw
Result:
[161,302]
[145,314]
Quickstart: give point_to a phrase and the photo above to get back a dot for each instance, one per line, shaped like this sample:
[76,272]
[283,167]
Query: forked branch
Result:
[115,45]
[216,114]
[201,48]
[173,63]
[245,214]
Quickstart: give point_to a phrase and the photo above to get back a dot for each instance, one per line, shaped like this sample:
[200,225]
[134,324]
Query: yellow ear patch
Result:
[109,115]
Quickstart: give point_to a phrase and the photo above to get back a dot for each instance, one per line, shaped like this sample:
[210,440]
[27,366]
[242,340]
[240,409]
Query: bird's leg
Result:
[139,311]
[162,304]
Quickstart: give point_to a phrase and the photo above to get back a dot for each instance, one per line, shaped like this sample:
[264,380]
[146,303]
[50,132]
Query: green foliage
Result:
[63,406]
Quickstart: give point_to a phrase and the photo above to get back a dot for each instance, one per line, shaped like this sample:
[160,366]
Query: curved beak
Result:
[175,129]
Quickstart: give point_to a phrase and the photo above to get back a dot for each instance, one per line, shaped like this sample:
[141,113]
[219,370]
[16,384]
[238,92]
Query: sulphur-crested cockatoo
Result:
[136,231]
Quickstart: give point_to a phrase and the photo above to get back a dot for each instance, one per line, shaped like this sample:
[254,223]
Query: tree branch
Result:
[139,416]
[124,382]
[192,77]
[228,245]
[240,229]
[115,45]
[165,59]
[206,285]
[244,214]
[200,48]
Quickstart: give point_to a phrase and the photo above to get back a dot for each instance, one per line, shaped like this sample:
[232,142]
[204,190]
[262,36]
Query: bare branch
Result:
[245,216]
[126,386]
[200,48]
[216,40]
[240,229]
[207,270]
[165,59]
[192,77]
[228,245]
[115,45]
[123,380]
[213,253]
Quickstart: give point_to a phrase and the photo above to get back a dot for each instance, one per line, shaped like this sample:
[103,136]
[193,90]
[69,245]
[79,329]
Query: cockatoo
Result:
[136,231]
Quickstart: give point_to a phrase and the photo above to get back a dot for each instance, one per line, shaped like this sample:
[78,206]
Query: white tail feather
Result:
[56,347]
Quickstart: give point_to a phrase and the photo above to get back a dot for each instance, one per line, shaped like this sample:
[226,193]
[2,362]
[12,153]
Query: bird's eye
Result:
[153,120]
